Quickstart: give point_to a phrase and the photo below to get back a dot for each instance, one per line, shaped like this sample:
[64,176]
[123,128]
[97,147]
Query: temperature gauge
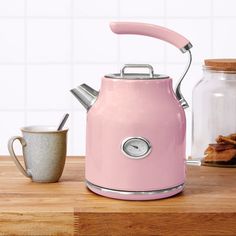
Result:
[136,147]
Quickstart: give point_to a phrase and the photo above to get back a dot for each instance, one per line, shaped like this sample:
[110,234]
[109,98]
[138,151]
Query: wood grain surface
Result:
[206,207]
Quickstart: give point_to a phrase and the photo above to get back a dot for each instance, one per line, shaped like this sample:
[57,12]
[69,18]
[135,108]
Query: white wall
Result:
[50,46]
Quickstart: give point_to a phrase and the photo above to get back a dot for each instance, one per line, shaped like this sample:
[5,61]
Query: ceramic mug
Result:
[44,152]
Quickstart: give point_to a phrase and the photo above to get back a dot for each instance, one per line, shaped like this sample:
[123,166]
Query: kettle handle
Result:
[161,33]
[154,31]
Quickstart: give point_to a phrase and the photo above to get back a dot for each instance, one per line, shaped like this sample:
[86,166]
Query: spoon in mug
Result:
[63,121]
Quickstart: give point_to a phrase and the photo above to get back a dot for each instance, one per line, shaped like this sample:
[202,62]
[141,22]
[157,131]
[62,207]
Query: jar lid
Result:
[221,64]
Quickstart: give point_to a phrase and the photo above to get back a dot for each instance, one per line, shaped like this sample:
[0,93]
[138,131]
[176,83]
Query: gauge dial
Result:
[136,147]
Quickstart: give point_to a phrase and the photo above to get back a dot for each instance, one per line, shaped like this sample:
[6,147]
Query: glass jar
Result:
[214,114]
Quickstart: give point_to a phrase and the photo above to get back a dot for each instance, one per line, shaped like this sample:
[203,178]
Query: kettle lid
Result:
[136,76]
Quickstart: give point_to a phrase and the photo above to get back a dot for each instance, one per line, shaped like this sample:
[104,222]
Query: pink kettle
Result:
[136,127]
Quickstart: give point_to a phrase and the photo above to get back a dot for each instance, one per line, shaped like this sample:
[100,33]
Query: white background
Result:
[50,46]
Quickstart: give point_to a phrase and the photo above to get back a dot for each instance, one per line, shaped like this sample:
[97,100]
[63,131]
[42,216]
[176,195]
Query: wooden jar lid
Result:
[221,64]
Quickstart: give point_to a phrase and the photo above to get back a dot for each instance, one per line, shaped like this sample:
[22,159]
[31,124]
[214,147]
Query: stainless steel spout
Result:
[86,95]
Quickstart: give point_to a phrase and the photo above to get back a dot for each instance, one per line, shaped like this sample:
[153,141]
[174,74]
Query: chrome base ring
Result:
[135,195]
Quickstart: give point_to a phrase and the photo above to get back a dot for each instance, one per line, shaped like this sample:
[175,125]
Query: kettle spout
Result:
[86,95]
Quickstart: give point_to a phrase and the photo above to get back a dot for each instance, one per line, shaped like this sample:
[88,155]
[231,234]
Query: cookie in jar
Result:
[221,153]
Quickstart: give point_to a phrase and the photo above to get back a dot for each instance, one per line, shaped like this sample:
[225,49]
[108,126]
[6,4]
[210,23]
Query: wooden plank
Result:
[149,224]
[36,223]
[206,207]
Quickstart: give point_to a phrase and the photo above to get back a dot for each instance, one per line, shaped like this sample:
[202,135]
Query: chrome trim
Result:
[136,76]
[136,157]
[151,71]
[186,47]
[122,192]
[178,92]
[193,162]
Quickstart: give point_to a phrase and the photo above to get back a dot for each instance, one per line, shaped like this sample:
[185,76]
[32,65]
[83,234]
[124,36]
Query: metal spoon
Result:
[63,121]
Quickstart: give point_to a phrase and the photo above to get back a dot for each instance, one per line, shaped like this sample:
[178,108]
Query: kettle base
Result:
[135,195]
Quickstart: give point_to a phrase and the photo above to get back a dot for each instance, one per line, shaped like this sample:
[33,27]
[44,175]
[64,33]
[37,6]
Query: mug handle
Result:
[13,155]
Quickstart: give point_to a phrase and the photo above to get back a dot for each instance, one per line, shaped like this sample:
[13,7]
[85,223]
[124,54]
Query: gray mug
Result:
[44,152]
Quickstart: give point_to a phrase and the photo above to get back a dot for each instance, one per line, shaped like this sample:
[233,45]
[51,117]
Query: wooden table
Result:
[206,207]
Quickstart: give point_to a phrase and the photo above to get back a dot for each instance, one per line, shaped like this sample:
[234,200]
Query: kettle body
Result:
[136,110]
[136,127]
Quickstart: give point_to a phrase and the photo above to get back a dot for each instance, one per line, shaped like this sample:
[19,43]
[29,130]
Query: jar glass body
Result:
[214,110]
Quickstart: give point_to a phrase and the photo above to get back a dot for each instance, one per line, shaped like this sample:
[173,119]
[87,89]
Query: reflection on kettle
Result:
[136,127]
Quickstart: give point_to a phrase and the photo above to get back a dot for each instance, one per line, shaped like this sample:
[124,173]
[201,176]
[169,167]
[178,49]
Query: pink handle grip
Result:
[151,30]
